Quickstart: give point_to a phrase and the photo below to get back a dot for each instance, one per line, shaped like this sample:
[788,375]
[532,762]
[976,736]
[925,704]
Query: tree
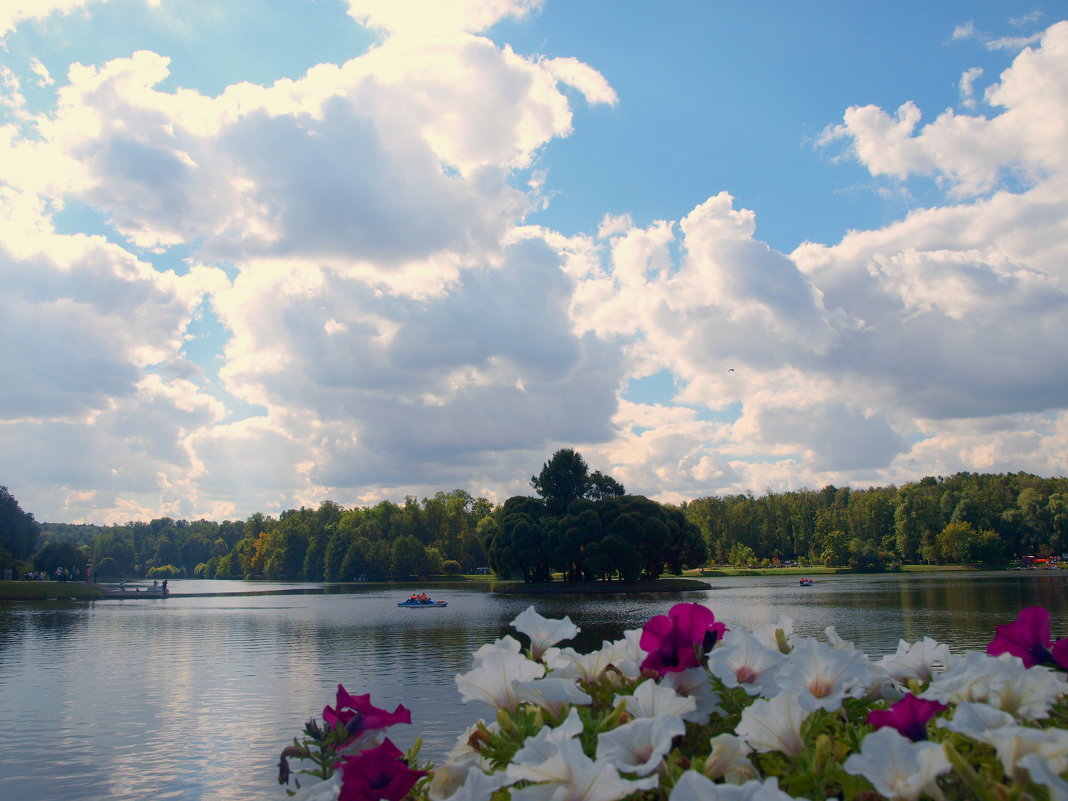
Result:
[59,554]
[564,478]
[18,531]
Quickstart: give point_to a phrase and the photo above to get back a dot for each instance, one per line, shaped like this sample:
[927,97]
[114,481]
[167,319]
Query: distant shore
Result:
[603,587]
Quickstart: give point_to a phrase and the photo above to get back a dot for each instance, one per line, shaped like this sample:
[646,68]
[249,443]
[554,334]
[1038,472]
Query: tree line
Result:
[966,518]
[581,527]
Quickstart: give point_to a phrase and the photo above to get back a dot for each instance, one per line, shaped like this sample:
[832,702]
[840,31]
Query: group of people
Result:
[420,598]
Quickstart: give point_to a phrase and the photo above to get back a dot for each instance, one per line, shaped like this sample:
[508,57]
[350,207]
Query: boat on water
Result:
[420,604]
[806,582]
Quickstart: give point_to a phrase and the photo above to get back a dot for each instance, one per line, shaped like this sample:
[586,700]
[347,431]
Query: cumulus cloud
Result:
[392,327]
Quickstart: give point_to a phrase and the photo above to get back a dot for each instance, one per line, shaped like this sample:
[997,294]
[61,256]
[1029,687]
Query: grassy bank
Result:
[47,591]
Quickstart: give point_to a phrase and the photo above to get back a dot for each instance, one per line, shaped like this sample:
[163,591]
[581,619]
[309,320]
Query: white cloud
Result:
[14,12]
[437,17]
[972,154]
[967,86]
[403,332]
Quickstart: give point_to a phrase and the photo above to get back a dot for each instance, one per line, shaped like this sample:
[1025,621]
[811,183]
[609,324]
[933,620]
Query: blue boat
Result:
[422,604]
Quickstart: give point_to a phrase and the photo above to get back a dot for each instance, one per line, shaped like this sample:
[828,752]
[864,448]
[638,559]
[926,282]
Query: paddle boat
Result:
[806,582]
[420,603]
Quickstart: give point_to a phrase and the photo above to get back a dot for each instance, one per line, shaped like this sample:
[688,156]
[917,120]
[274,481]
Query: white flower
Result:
[540,755]
[629,654]
[1002,682]
[741,660]
[774,635]
[476,786]
[542,631]
[639,746]
[728,759]
[917,661]
[555,761]
[1041,773]
[553,694]
[651,700]
[1013,743]
[897,767]
[320,791]
[973,719]
[773,725]
[692,786]
[835,640]
[822,676]
[567,662]
[694,683]
[494,680]
[507,643]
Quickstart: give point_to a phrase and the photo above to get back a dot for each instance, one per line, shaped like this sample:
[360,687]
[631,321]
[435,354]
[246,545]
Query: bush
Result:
[450,567]
[165,571]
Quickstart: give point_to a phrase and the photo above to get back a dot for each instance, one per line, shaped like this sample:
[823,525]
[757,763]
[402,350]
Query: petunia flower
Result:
[743,661]
[1041,773]
[629,654]
[776,636]
[378,773]
[1001,681]
[553,759]
[694,683]
[1026,637]
[362,719]
[554,694]
[319,791]
[728,760]
[898,768]
[919,661]
[974,719]
[478,786]
[494,680]
[569,663]
[908,716]
[639,746]
[543,632]
[675,640]
[822,676]
[508,644]
[692,786]
[1015,742]
[652,700]
[773,725]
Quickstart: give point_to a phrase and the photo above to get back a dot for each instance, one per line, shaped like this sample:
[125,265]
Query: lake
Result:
[194,697]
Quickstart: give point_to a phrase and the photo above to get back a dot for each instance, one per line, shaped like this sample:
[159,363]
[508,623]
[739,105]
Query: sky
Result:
[254,256]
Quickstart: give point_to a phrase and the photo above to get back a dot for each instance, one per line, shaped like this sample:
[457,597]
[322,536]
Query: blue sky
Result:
[260,255]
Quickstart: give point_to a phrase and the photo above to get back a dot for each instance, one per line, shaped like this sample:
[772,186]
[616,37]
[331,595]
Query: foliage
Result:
[684,709]
[18,531]
[164,572]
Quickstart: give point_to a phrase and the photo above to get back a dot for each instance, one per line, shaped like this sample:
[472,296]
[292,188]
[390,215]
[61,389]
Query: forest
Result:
[582,526]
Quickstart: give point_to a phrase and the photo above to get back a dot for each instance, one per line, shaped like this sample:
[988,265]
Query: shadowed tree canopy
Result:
[566,478]
[18,530]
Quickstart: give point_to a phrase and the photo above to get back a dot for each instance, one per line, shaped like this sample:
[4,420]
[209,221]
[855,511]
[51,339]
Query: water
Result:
[193,697]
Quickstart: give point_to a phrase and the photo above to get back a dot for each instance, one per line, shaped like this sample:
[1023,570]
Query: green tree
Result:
[741,555]
[18,531]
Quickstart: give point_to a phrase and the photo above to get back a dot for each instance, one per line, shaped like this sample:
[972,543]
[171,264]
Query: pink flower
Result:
[676,641]
[1028,638]
[908,716]
[377,773]
[358,714]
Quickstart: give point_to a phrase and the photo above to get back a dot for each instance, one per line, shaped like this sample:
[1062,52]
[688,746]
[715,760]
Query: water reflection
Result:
[192,697]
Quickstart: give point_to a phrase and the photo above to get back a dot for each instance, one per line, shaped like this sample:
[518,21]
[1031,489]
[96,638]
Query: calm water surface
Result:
[193,697]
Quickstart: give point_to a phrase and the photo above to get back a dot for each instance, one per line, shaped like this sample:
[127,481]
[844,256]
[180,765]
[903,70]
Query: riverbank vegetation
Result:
[581,526]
